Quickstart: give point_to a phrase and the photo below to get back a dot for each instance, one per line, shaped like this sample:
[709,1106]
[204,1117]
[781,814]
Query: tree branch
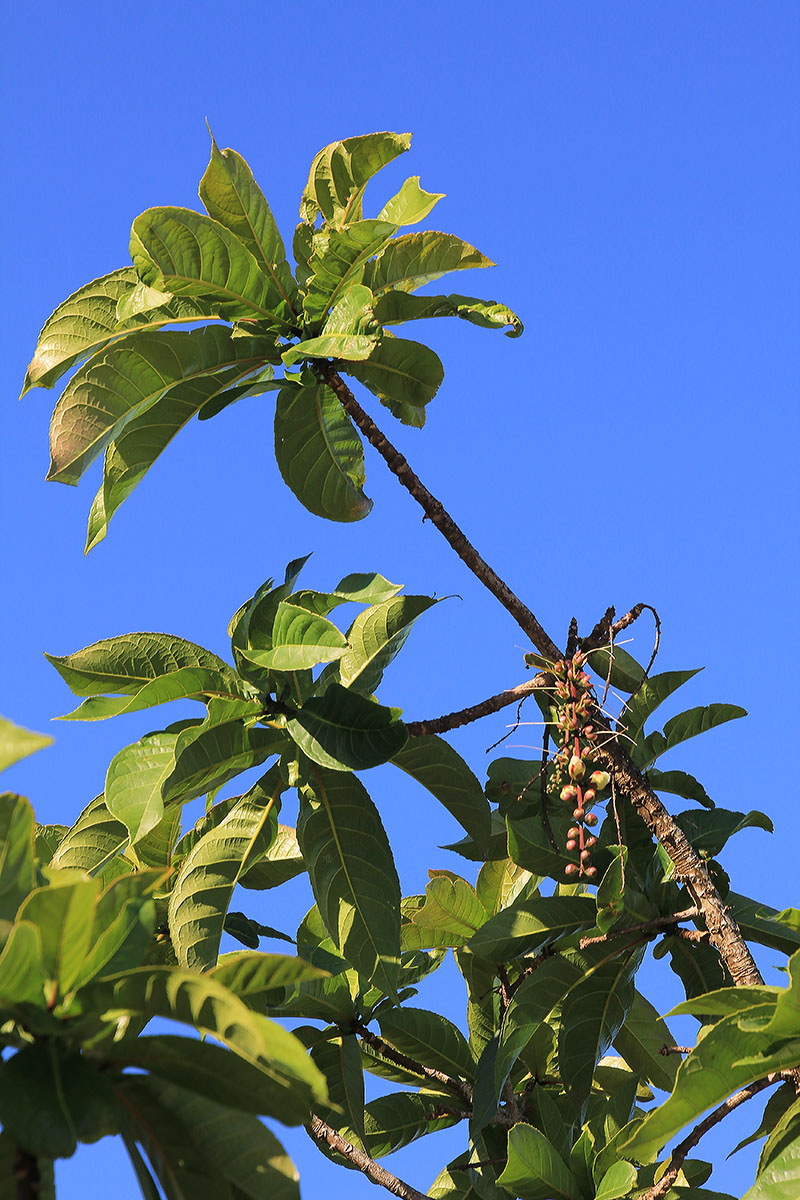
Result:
[642,926]
[439,516]
[465,715]
[358,1158]
[682,1149]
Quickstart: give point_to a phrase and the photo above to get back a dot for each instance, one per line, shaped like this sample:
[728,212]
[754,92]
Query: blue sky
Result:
[633,170]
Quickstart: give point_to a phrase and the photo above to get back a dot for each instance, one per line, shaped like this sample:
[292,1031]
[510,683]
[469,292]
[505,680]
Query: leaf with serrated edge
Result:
[352,872]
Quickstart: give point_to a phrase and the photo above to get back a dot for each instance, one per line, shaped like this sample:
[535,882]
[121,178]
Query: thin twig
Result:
[358,1158]
[439,516]
[459,1087]
[642,926]
[465,715]
[667,1050]
[682,1149]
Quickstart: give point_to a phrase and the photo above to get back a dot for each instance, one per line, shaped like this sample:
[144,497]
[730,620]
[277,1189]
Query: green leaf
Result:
[709,831]
[650,696]
[678,783]
[640,1040]
[281,862]
[320,454]
[429,1038]
[442,771]
[95,838]
[255,975]
[347,732]
[339,1060]
[418,258]
[187,683]
[500,882]
[592,1015]
[686,725]
[80,326]
[203,888]
[16,853]
[135,779]
[134,450]
[300,639]
[449,916]
[188,254]
[779,1179]
[235,1146]
[204,1004]
[231,196]
[620,668]
[50,1102]
[341,171]
[395,306]
[396,1120]
[126,663]
[207,757]
[698,966]
[17,743]
[352,872]
[705,1078]
[119,385]
[535,1171]
[411,204]
[405,376]
[338,260]
[123,926]
[528,925]
[762,924]
[22,973]
[616,1182]
[376,637]
[64,915]
[351,331]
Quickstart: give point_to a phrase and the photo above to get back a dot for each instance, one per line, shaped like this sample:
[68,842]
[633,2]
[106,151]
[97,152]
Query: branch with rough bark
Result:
[459,1087]
[653,925]
[475,711]
[358,1158]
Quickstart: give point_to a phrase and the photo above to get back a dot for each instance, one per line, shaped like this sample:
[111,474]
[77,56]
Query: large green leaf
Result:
[592,1015]
[50,1102]
[396,1120]
[281,862]
[709,831]
[762,924]
[253,975]
[341,171]
[705,1078]
[640,1040]
[17,743]
[442,771]
[405,375]
[80,326]
[120,384]
[22,972]
[395,306]
[233,198]
[64,916]
[779,1177]
[300,639]
[686,725]
[320,454]
[186,253]
[448,914]
[338,261]
[535,1170]
[428,1038]
[206,757]
[339,1060]
[679,783]
[350,332]
[418,258]
[129,457]
[186,683]
[376,637]
[126,663]
[235,1145]
[653,692]
[202,891]
[500,882]
[16,852]
[123,926]
[204,1004]
[347,732]
[352,872]
[528,925]
[95,838]
[135,779]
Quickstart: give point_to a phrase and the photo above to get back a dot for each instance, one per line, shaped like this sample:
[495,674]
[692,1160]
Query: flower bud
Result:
[585,855]
[600,780]
[591,818]
[573,832]
[591,872]
[579,814]
[571,844]
[577,770]
[569,794]
[589,797]
[570,869]
[591,841]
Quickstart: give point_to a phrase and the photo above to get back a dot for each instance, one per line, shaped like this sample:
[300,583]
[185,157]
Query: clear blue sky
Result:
[633,170]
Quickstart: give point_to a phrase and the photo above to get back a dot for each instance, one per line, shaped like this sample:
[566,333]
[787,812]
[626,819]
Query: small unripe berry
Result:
[591,872]
[600,780]
[579,814]
[591,818]
[586,752]
[569,794]
[570,869]
[573,832]
[585,855]
[571,844]
[577,770]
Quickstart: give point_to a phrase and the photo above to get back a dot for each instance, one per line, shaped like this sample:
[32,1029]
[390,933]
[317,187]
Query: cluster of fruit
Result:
[574,703]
